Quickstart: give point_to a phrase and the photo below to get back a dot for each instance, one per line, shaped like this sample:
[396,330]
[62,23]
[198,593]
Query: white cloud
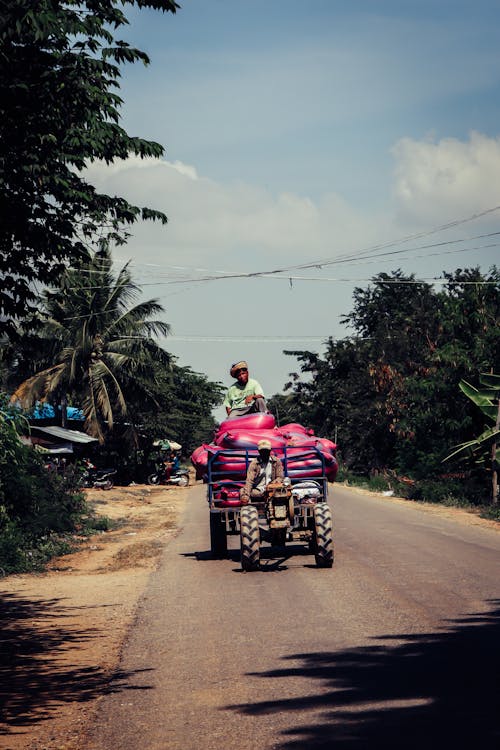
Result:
[438,181]
[239,225]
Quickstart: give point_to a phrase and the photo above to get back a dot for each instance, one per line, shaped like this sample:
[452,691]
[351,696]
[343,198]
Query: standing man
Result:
[262,470]
[245,396]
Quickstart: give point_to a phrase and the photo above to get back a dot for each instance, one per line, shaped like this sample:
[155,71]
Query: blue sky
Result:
[297,131]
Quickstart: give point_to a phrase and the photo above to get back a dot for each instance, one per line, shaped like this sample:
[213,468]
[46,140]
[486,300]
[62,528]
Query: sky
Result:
[310,138]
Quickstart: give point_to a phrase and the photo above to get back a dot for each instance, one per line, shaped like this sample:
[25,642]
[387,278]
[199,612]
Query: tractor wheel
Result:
[323,536]
[249,538]
[218,538]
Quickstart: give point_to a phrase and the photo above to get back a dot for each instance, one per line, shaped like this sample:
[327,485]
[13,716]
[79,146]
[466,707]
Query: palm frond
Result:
[38,387]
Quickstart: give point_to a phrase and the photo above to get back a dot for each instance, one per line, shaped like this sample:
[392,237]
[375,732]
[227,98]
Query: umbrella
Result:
[167,444]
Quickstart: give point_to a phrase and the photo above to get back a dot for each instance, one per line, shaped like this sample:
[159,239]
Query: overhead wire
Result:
[222,275]
[210,275]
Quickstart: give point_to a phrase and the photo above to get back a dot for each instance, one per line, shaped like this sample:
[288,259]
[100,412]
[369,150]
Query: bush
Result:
[467,492]
[39,510]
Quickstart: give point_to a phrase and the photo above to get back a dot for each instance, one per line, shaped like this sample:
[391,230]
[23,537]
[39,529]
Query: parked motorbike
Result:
[179,477]
[102,479]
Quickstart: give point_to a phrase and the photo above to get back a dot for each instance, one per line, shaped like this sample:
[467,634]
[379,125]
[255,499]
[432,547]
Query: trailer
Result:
[293,510]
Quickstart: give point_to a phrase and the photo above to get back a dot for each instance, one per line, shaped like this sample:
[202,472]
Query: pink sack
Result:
[327,445]
[302,440]
[199,458]
[250,438]
[255,421]
[295,427]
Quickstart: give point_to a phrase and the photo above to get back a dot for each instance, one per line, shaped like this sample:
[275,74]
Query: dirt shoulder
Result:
[468,517]
[62,631]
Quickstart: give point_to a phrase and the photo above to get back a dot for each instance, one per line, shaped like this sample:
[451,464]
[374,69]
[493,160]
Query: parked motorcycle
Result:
[102,479]
[179,477]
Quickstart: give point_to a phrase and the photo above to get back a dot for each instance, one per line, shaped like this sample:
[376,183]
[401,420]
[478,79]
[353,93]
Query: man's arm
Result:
[257,392]
[280,474]
[250,478]
[252,397]
[227,400]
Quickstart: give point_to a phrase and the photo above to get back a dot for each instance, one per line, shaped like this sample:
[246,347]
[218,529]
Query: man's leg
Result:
[254,495]
[260,405]
[240,412]
[257,406]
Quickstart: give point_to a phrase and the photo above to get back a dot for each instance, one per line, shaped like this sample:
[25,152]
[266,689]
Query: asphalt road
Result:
[397,646]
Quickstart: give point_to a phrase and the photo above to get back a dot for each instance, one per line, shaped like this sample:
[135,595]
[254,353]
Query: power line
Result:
[366,254]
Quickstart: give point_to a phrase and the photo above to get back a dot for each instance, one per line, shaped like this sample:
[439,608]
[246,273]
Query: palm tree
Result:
[96,343]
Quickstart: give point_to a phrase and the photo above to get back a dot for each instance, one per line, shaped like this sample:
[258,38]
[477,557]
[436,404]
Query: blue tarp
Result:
[46,411]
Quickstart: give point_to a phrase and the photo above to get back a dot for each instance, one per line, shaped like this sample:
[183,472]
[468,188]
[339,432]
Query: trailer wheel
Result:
[218,538]
[249,538]
[323,536]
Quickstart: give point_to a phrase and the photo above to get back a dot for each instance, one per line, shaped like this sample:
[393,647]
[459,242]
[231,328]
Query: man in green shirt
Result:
[245,396]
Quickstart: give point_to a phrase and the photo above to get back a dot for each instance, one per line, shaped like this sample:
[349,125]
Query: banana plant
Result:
[484,447]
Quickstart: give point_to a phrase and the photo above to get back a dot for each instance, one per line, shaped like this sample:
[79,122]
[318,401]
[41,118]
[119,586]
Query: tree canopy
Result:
[390,390]
[59,109]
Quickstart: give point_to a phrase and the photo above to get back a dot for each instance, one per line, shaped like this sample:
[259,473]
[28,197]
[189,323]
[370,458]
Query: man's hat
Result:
[264,445]
[237,366]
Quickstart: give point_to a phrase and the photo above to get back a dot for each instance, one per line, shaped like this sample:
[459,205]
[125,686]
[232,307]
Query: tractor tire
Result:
[323,536]
[249,538]
[218,538]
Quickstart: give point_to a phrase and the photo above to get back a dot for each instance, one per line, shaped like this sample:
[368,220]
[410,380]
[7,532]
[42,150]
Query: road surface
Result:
[397,646]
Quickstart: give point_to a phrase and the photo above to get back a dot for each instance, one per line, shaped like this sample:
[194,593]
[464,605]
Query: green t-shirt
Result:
[236,394]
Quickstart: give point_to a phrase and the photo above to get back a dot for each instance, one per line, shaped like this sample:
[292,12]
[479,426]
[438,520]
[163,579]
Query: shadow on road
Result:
[34,679]
[428,691]
[271,558]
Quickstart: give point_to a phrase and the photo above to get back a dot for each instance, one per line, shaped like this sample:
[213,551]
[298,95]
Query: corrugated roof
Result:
[72,436]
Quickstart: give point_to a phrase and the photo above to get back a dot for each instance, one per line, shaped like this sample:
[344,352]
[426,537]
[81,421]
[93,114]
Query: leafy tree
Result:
[389,389]
[466,341]
[95,347]
[59,108]
[182,408]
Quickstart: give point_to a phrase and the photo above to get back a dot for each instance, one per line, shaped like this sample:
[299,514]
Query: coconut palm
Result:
[96,343]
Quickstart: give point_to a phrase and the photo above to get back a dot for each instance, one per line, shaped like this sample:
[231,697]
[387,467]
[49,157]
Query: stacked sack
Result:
[243,433]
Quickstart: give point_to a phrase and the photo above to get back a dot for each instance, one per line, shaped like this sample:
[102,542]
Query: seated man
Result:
[176,464]
[245,396]
[167,465]
[263,469]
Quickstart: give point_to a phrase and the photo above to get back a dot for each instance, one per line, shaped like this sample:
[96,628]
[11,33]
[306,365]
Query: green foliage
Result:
[491,512]
[97,350]
[60,69]
[483,449]
[38,509]
[93,345]
[388,391]
[182,407]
